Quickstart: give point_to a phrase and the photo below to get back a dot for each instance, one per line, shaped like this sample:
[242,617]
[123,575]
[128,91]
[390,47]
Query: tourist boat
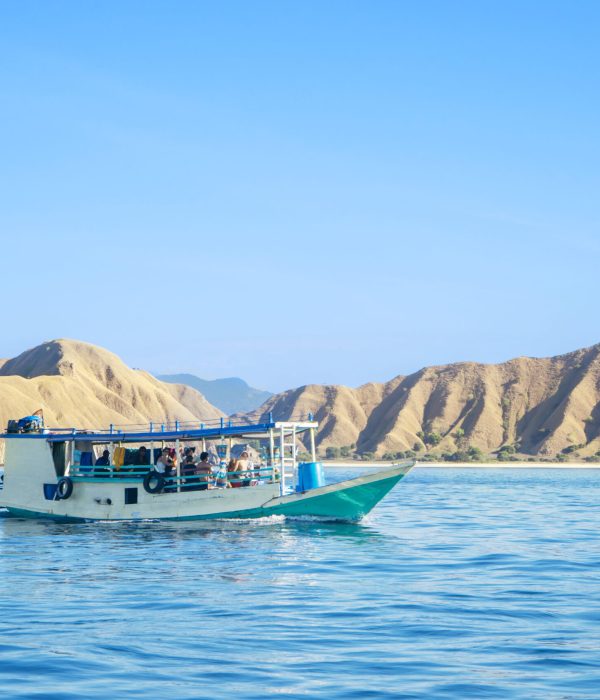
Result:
[51,474]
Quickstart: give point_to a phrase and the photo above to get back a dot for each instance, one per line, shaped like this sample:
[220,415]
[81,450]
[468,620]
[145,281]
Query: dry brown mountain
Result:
[78,384]
[541,405]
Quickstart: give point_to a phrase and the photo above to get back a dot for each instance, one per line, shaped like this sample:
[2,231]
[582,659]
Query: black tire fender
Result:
[154,482]
[64,488]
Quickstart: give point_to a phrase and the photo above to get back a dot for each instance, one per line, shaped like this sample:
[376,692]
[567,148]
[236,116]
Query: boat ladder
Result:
[287,457]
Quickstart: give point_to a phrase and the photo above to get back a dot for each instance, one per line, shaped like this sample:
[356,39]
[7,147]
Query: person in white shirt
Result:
[164,463]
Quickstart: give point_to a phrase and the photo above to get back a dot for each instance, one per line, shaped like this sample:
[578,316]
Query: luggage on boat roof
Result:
[28,424]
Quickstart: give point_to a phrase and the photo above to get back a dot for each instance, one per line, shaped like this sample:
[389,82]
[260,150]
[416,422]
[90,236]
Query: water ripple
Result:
[462,584]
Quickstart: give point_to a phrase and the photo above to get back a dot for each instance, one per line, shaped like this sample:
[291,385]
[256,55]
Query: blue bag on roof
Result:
[31,424]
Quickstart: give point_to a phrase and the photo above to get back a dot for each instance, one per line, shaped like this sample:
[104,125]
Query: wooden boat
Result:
[46,476]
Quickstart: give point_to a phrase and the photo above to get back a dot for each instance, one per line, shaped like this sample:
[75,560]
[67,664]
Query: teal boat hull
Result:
[345,501]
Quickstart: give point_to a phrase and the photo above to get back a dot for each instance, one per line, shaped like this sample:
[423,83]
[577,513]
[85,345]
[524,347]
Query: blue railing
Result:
[137,474]
[212,426]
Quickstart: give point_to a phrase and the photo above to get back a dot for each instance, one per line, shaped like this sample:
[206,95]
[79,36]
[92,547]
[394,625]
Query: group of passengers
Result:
[197,472]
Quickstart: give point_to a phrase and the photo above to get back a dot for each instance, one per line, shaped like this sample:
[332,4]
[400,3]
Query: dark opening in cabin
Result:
[131,496]
[59,455]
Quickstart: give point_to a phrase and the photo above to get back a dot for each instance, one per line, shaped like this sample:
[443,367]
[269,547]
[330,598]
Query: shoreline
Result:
[466,465]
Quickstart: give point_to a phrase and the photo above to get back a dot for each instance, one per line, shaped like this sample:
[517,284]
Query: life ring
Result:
[154,482]
[64,488]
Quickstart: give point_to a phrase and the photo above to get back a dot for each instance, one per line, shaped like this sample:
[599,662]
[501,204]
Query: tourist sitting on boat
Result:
[164,464]
[204,471]
[103,461]
[246,467]
[142,457]
[232,469]
[188,452]
[189,471]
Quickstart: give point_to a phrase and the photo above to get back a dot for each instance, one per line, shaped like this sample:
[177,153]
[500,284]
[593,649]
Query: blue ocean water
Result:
[463,583]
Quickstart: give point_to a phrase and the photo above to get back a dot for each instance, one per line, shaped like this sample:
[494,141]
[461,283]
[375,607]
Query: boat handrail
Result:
[166,430]
[137,473]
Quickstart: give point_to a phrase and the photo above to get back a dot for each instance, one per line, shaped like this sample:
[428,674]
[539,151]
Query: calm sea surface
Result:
[464,583]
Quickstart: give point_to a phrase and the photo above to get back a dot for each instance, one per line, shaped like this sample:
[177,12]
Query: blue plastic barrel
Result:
[310,476]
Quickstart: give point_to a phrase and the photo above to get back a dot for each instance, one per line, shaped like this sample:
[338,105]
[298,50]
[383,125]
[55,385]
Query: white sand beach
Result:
[467,465]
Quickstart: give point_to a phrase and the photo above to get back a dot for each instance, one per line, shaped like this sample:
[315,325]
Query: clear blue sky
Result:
[299,192]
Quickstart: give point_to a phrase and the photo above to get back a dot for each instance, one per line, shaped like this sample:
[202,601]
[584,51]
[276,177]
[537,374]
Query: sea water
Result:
[461,584]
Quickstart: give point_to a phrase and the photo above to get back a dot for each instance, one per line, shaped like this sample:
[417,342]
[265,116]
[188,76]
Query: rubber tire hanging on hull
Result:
[154,477]
[64,488]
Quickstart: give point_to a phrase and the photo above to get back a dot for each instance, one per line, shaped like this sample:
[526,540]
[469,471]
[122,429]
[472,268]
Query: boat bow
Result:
[346,500]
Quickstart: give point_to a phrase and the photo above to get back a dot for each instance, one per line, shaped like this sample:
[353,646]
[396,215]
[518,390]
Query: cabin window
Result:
[59,455]
[131,496]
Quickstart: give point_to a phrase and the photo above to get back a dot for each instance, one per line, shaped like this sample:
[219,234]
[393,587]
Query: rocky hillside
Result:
[537,406]
[78,384]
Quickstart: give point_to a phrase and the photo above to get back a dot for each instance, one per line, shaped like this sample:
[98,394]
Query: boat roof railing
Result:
[169,431]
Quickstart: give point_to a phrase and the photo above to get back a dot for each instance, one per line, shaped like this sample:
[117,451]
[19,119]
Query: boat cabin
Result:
[156,459]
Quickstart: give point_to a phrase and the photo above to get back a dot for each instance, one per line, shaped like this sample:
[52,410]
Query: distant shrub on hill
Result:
[408,454]
[506,453]
[571,448]
[432,439]
[471,454]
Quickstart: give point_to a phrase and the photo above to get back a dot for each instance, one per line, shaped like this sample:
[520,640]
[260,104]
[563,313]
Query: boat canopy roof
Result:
[177,430]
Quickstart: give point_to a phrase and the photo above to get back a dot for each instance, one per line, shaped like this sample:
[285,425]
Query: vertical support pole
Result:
[178,457]
[151,445]
[294,464]
[282,459]
[272,454]
[313,449]
[69,451]
[203,444]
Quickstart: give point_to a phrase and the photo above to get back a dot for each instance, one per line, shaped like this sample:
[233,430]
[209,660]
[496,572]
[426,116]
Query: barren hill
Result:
[79,384]
[541,406]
